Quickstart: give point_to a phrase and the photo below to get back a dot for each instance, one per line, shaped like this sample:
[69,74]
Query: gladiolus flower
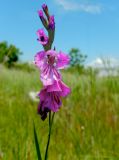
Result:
[50,98]
[49,63]
[49,101]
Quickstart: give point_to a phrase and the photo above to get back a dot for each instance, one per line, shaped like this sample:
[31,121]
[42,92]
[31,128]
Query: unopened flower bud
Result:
[40,13]
[43,19]
[45,9]
[51,24]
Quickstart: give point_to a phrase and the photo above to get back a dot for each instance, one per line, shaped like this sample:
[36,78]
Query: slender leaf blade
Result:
[37,144]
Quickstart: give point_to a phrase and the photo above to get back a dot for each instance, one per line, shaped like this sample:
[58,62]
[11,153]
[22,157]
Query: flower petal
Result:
[60,87]
[55,102]
[65,89]
[48,101]
[54,87]
[49,74]
[51,53]
[62,60]
[40,59]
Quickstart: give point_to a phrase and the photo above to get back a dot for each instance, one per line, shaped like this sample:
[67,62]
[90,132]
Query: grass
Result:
[85,128]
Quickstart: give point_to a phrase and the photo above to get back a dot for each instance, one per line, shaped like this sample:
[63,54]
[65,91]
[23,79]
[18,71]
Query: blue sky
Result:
[90,25]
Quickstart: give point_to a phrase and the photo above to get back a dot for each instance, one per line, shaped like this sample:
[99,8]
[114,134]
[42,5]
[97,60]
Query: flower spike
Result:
[50,62]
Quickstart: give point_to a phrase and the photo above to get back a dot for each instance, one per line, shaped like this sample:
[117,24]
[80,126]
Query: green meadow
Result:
[85,128]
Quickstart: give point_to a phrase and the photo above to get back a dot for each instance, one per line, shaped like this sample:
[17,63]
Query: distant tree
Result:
[77,58]
[13,55]
[9,54]
[3,51]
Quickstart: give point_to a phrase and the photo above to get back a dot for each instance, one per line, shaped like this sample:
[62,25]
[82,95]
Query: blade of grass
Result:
[37,144]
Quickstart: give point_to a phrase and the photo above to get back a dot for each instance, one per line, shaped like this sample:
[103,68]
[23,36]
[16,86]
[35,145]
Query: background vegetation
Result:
[85,128]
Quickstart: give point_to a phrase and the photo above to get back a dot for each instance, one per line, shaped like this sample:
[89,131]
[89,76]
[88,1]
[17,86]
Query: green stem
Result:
[49,118]
[49,135]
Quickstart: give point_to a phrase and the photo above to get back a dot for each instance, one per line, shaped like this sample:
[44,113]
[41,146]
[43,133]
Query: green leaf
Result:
[37,144]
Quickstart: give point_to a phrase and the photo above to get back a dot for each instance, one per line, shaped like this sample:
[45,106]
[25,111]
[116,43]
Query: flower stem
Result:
[50,127]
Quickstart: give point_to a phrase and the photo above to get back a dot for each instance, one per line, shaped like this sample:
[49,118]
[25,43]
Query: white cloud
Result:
[73,6]
[105,66]
[90,8]
[67,5]
[104,62]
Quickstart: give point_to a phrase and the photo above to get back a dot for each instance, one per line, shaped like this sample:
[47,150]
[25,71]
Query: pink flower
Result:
[50,98]
[48,101]
[49,63]
[42,38]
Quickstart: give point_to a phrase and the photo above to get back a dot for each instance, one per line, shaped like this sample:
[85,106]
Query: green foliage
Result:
[86,127]
[9,54]
[3,51]
[77,59]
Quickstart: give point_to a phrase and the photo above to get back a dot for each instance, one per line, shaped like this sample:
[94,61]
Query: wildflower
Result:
[42,38]
[49,63]
[48,101]
[50,98]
